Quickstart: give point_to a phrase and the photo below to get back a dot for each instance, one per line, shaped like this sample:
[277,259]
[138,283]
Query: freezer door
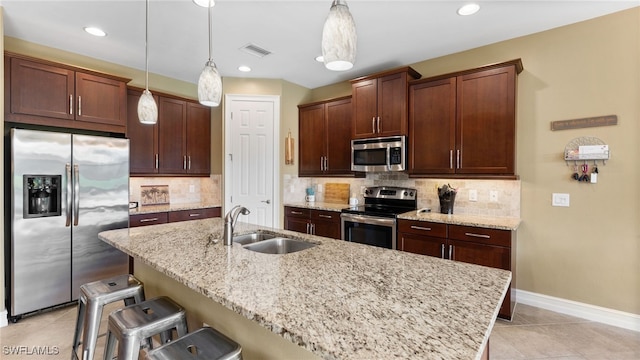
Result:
[101,202]
[39,268]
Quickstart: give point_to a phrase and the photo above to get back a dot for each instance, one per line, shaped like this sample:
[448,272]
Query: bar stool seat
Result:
[133,326]
[92,299]
[204,343]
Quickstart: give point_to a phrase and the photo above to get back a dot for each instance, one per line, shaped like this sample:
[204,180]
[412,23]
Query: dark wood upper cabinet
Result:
[178,144]
[464,123]
[325,138]
[380,103]
[41,92]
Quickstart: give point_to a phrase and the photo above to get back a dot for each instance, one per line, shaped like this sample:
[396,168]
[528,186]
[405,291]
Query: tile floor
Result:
[533,334]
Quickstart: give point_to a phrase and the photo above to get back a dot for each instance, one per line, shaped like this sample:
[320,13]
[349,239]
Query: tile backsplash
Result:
[182,190]
[507,203]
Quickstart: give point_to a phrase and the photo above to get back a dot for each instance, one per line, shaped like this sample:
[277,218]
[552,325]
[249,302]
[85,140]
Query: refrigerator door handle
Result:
[76,194]
[67,197]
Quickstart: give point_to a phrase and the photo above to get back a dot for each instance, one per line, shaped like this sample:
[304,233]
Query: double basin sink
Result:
[268,243]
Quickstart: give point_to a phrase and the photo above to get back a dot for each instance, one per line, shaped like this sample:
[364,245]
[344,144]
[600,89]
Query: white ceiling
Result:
[390,33]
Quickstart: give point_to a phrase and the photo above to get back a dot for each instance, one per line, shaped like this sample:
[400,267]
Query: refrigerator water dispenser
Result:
[42,195]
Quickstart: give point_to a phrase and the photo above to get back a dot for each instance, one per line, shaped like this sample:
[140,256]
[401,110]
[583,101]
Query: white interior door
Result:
[251,162]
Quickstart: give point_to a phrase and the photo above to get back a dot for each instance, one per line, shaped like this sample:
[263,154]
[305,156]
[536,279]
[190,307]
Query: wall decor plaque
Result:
[154,194]
[607,120]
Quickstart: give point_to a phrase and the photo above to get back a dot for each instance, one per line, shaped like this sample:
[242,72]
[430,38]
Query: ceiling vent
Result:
[255,50]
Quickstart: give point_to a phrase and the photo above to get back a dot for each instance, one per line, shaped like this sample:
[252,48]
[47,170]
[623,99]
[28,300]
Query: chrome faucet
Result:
[230,221]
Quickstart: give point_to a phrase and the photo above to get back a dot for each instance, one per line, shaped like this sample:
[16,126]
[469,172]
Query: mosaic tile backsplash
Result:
[182,190]
[507,204]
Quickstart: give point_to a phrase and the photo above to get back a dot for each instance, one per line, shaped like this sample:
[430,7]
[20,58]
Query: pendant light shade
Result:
[147,107]
[339,38]
[210,83]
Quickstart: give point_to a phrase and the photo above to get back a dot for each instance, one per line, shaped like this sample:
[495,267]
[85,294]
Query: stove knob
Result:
[406,193]
[366,192]
[411,194]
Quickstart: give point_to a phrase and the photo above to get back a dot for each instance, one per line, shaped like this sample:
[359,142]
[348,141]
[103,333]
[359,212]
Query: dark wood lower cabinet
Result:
[474,245]
[172,216]
[311,221]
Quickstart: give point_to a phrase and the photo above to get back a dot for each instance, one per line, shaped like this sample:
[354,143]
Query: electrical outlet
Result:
[362,188]
[319,188]
[559,199]
[192,188]
[493,196]
[473,195]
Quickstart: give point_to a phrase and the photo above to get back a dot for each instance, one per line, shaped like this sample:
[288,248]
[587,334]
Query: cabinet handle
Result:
[189,166]
[296,212]
[450,252]
[442,251]
[157,161]
[421,228]
[458,159]
[484,236]
[378,124]
[313,229]
[79,105]
[321,163]
[149,219]
[325,216]
[71,104]
[326,163]
[308,228]
[450,159]
[194,215]
[373,124]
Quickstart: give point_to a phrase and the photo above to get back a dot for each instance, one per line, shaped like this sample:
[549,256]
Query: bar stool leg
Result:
[93,314]
[79,325]
[128,348]
[110,346]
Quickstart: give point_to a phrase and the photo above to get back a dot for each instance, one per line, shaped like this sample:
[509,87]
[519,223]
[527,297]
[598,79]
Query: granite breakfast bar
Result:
[337,300]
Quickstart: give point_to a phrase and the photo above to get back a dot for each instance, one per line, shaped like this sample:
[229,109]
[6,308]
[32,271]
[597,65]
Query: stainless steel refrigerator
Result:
[64,190]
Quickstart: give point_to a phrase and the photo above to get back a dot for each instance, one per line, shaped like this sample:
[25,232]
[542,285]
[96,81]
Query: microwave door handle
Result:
[388,157]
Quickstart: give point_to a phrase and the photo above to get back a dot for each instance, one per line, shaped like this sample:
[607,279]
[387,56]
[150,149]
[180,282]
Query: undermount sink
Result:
[279,245]
[252,237]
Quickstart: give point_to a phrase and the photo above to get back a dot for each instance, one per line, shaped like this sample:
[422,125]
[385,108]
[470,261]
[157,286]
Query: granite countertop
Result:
[149,209]
[339,300]
[500,223]
[492,222]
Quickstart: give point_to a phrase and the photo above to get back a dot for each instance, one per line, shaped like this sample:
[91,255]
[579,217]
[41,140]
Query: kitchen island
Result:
[337,300]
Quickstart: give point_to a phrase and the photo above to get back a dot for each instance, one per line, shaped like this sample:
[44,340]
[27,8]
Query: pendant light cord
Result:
[146,48]
[210,40]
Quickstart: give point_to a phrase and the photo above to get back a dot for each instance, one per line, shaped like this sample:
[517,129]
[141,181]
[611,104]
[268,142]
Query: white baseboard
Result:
[3,318]
[585,311]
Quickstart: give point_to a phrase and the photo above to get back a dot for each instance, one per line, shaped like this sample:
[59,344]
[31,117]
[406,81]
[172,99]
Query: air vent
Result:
[255,50]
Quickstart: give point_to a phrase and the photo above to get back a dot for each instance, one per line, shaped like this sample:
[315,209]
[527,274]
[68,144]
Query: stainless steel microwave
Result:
[379,154]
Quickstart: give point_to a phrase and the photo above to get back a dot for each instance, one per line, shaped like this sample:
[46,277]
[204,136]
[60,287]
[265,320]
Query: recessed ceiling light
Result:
[469,9]
[205,3]
[320,58]
[244,68]
[95,31]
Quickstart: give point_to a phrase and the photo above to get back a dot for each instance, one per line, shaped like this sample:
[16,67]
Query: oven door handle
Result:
[371,220]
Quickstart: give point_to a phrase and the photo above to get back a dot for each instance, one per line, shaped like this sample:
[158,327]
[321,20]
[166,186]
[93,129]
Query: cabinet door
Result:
[41,90]
[296,224]
[143,144]
[365,108]
[419,244]
[198,139]
[326,223]
[100,100]
[432,126]
[392,105]
[171,135]
[194,214]
[338,137]
[486,122]
[147,219]
[481,254]
[311,125]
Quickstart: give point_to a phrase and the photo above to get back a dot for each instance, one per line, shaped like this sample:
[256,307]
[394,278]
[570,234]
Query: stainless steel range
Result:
[374,223]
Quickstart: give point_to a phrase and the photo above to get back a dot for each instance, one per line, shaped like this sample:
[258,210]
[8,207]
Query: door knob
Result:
[266,201]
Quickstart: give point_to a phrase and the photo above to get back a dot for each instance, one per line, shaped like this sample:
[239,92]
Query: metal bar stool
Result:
[93,297]
[134,325]
[204,343]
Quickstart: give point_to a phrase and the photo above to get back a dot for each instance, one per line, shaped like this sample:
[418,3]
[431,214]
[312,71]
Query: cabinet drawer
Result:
[480,235]
[330,216]
[425,228]
[297,212]
[148,219]
[194,214]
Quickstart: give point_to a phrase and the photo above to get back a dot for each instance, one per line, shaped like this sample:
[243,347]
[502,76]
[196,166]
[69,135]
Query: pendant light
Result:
[210,83]
[147,107]
[339,38]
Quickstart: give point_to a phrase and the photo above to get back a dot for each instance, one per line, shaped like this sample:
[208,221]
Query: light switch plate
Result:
[319,188]
[473,195]
[560,199]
